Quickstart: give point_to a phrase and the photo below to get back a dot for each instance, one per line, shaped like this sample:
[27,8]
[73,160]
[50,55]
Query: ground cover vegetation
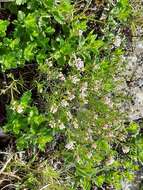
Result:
[59,64]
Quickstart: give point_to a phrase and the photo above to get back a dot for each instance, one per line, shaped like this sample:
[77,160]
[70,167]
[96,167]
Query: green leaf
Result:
[99,180]
[59,18]
[140,156]
[124,10]
[50,30]
[30,22]
[133,128]
[26,99]
[8,61]
[29,51]
[20,2]
[3,27]
[43,140]
[14,43]
[48,3]
[21,143]
[98,44]
[103,146]
[21,15]
[16,126]
[86,184]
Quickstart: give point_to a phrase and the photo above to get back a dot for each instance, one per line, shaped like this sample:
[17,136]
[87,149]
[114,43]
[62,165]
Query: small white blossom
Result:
[70,96]
[49,63]
[54,109]
[106,126]
[80,32]
[75,80]
[19,109]
[64,103]
[108,101]
[111,135]
[70,145]
[83,90]
[103,17]
[61,76]
[79,64]
[85,101]
[125,149]
[75,124]
[62,126]
[83,95]
[97,85]
[69,115]
[117,41]
[110,161]
[52,124]
[84,87]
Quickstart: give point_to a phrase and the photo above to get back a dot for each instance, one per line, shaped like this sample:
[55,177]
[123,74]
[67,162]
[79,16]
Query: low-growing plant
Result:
[77,52]
[25,122]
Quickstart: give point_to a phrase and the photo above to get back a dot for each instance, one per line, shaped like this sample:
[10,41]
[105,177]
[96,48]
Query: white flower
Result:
[75,124]
[110,161]
[79,64]
[94,146]
[70,145]
[54,109]
[80,32]
[106,126]
[103,17]
[62,126]
[49,63]
[140,45]
[64,103]
[108,101]
[19,109]
[83,90]
[85,101]
[111,135]
[83,95]
[75,80]
[52,124]
[125,149]
[84,87]
[70,96]
[117,41]
[61,76]
[69,115]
